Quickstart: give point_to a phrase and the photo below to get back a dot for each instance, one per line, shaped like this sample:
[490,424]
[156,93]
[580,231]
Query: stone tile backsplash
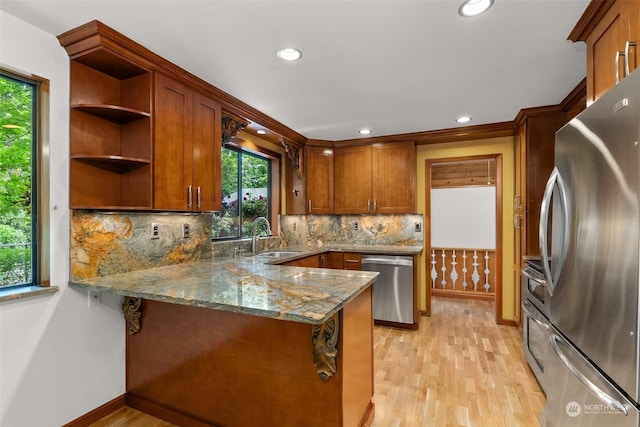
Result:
[107,243]
[313,231]
[104,243]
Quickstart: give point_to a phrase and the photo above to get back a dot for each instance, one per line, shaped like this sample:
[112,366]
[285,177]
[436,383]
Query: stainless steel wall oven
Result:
[536,325]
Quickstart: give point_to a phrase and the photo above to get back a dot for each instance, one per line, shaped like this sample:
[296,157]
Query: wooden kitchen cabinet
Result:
[340,260]
[375,179]
[394,170]
[110,128]
[319,180]
[606,27]
[353,180]
[310,261]
[187,148]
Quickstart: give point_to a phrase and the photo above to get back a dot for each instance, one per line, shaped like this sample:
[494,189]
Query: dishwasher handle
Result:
[402,262]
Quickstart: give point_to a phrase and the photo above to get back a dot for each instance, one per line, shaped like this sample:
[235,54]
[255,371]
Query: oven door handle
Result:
[597,391]
[532,312]
[533,277]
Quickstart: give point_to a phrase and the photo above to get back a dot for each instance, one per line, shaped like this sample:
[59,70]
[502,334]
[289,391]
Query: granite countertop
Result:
[246,285]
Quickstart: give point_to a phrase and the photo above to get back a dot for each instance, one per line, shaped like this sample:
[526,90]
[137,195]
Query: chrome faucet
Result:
[254,238]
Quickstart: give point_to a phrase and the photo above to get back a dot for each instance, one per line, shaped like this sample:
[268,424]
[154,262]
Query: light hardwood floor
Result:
[458,369]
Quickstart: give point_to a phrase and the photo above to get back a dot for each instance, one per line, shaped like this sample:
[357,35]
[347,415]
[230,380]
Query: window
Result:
[246,194]
[18,181]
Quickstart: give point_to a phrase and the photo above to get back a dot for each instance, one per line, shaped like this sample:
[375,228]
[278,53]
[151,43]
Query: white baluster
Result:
[487,286]
[475,277]
[444,271]
[464,270]
[454,273]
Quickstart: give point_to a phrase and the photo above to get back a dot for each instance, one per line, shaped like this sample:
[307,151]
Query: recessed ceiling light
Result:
[364,131]
[261,132]
[463,119]
[474,7]
[289,54]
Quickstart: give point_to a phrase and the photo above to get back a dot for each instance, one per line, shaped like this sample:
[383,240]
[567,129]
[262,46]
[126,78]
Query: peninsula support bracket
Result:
[325,341]
[132,310]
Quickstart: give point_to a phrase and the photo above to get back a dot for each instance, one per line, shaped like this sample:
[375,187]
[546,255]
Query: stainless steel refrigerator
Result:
[589,242]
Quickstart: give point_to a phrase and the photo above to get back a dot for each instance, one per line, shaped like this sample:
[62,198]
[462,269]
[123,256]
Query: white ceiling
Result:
[395,66]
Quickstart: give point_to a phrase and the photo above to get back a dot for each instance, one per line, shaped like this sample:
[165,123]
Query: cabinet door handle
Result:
[627,46]
[198,198]
[309,206]
[375,206]
[189,196]
[618,55]
[368,206]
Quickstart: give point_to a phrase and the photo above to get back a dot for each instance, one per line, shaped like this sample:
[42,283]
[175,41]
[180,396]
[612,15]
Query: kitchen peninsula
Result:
[238,342]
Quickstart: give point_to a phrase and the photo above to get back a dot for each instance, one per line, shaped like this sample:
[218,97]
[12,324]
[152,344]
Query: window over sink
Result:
[246,193]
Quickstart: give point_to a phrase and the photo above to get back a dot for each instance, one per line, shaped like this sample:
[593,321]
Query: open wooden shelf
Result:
[122,161]
[113,113]
[111,131]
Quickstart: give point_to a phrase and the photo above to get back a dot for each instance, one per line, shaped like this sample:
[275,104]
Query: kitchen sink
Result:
[277,254]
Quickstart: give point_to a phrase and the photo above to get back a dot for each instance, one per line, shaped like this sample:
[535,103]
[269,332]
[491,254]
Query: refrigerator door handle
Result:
[544,222]
[545,207]
[597,391]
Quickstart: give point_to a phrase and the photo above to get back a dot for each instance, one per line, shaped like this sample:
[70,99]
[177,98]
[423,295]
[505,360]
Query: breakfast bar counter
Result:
[239,342]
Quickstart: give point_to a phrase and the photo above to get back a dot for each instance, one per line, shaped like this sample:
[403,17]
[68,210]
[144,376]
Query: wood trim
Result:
[492,130]
[413,326]
[90,35]
[588,21]
[467,295]
[575,96]
[527,113]
[166,414]
[499,220]
[95,33]
[367,418]
[98,413]
[508,323]
[499,240]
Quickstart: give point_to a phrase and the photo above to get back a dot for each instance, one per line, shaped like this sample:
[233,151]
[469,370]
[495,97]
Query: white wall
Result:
[463,217]
[58,358]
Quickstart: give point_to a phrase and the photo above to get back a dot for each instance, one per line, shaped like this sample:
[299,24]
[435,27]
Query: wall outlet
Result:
[94,298]
[356,225]
[155,230]
[186,232]
[418,227]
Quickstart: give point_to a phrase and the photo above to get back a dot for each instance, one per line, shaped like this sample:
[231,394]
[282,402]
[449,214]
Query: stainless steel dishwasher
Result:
[393,289]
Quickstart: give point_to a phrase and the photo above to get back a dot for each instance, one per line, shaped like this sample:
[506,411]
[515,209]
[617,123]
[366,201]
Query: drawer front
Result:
[352,261]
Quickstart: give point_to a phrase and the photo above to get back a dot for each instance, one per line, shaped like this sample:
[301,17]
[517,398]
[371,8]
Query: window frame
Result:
[40,187]
[244,146]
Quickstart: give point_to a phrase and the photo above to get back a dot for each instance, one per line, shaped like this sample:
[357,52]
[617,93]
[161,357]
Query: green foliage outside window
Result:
[16,115]
[245,193]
